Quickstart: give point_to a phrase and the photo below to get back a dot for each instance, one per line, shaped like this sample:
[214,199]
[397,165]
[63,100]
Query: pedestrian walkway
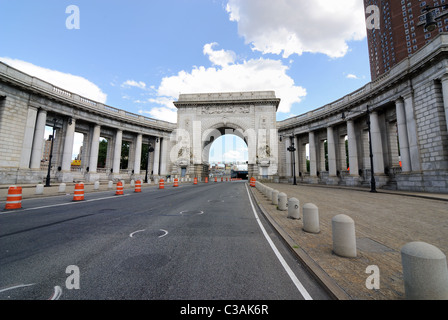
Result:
[384,222]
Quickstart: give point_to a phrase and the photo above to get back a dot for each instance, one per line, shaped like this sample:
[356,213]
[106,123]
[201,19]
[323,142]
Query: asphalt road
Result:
[193,242]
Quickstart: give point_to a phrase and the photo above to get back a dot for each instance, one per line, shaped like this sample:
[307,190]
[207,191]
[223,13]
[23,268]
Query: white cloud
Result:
[69,82]
[352,76]
[232,155]
[294,26]
[253,75]
[132,83]
[161,113]
[220,58]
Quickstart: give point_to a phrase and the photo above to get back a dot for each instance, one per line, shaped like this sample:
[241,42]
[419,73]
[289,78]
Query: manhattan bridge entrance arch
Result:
[204,117]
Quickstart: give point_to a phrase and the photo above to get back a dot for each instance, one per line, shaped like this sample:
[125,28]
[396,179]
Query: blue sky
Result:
[139,55]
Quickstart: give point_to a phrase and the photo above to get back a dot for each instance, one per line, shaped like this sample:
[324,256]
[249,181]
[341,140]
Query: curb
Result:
[332,288]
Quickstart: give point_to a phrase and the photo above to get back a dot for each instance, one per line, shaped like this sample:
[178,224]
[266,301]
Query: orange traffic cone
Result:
[79,192]
[119,189]
[14,198]
[138,186]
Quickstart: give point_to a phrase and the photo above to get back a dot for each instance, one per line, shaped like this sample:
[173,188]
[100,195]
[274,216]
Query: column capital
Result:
[444,77]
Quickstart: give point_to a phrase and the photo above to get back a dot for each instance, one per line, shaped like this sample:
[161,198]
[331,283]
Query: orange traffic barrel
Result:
[216,179]
[161,184]
[206,179]
[119,188]
[252,182]
[222,179]
[195,180]
[138,186]
[176,183]
[14,198]
[79,192]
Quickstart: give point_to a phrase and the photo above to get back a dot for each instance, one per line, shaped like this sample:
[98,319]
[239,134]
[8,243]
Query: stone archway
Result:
[249,115]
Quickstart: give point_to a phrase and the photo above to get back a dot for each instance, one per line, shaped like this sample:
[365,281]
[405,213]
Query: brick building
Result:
[401,31]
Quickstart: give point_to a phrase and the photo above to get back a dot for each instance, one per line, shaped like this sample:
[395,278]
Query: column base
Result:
[64,177]
[92,177]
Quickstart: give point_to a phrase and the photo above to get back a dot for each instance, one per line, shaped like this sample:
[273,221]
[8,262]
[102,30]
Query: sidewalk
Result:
[384,222]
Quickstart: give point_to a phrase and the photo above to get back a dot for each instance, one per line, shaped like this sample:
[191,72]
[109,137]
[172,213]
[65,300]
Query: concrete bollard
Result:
[269,193]
[110,185]
[293,208]
[275,197]
[425,272]
[282,201]
[132,183]
[344,238]
[310,214]
[62,187]
[40,189]
[96,185]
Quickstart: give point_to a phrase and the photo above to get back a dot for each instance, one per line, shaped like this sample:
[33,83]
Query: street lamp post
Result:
[47,181]
[292,149]
[430,20]
[372,175]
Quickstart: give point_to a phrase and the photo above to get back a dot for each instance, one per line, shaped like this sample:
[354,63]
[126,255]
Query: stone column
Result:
[412,132]
[39,136]
[444,81]
[164,154]
[117,151]
[94,148]
[68,146]
[313,154]
[155,168]
[403,136]
[27,146]
[377,145]
[138,154]
[352,149]
[331,146]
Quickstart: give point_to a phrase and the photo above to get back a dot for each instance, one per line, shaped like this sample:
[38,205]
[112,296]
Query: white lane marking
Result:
[18,286]
[166,232]
[285,265]
[132,234]
[57,293]
[65,204]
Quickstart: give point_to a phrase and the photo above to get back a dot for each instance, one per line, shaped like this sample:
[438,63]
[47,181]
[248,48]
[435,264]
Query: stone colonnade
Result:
[408,141]
[65,129]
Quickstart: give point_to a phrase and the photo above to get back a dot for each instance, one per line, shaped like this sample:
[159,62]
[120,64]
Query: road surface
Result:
[192,242]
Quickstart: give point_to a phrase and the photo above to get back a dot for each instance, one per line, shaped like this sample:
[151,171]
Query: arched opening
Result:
[228,155]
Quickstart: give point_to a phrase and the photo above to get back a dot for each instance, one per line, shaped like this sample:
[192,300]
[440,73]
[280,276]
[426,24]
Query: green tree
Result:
[102,154]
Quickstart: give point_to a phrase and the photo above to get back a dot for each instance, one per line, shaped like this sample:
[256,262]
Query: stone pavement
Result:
[384,222]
